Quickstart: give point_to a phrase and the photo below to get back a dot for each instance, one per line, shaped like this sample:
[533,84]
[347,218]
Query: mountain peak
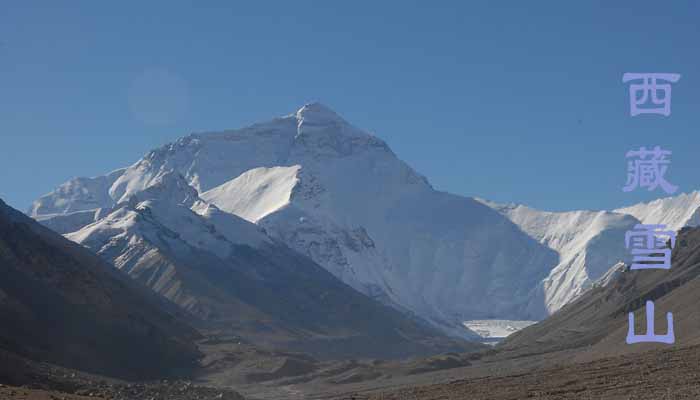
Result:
[318,114]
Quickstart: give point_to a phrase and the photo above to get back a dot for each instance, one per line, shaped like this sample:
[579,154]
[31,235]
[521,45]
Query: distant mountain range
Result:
[206,218]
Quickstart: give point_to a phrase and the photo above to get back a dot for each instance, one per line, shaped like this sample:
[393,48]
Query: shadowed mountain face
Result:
[62,304]
[598,321]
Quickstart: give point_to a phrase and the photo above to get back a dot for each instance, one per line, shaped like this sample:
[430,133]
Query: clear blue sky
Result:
[512,101]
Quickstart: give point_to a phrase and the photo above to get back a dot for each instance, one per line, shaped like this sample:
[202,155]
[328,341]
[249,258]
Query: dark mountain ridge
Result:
[62,304]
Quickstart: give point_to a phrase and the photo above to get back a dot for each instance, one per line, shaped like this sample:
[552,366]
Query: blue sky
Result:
[512,101]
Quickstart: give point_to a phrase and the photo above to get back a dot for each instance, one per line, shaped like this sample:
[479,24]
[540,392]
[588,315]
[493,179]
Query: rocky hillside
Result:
[62,304]
[598,320]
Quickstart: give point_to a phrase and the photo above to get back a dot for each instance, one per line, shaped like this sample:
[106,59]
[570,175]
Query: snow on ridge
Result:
[558,230]
[113,225]
[77,194]
[675,212]
[159,204]
[611,275]
[256,193]
[588,243]
[168,185]
[204,228]
[317,114]
[234,229]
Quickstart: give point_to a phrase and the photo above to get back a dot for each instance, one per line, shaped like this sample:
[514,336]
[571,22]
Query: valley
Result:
[291,289]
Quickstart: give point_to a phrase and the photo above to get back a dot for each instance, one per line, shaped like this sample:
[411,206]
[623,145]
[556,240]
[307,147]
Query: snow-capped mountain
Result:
[588,244]
[591,243]
[340,196]
[674,212]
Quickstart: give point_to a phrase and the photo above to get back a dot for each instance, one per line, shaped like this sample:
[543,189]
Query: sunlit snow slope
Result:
[590,243]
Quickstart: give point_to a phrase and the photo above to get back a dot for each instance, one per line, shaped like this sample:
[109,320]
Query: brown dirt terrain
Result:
[15,393]
[41,381]
[655,375]
[19,393]
[174,391]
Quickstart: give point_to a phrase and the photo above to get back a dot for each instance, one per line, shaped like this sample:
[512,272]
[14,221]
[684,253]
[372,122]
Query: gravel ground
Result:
[671,374]
[97,391]
[41,381]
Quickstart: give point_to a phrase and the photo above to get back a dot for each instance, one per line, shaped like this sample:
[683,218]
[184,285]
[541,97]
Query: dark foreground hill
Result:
[598,321]
[61,304]
[659,374]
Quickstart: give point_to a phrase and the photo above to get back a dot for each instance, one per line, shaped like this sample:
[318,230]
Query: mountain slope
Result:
[598,320]
[340,196]
[235,279]
[675,212]
[256,193]
[62,304]
[588,244]
[78,194]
